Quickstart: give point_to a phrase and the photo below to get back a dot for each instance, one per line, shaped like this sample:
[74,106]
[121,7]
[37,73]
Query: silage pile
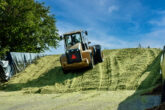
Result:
[122,69]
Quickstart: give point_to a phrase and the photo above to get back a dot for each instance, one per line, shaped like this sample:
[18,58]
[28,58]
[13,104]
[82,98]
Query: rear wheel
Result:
[100,56]
[91,65]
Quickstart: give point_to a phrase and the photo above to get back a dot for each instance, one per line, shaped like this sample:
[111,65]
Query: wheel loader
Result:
[78,53]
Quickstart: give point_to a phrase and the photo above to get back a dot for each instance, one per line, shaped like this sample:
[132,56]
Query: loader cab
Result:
[74,38]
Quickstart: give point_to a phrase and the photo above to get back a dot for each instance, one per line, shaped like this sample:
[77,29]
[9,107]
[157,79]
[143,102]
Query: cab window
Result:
[72,39]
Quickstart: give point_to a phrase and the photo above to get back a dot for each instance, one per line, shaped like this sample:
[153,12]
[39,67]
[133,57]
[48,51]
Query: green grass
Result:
[122,69]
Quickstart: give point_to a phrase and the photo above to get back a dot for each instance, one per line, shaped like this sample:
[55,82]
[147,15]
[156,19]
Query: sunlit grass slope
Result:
[122,69]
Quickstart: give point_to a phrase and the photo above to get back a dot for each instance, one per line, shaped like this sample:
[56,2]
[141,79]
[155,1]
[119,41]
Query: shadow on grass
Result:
[145,96]
[49,78]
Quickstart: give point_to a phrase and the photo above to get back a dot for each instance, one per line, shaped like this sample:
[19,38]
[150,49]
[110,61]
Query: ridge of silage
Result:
[122,69]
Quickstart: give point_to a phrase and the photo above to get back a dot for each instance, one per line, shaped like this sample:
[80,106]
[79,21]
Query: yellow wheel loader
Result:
[78,53]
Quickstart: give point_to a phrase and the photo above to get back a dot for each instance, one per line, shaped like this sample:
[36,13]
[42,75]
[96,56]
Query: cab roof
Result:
[78,31]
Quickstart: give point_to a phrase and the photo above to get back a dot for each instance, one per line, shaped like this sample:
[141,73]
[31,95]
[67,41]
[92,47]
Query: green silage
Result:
[122,69]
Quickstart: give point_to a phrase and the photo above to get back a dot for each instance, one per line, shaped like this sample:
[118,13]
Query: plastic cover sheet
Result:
[16,62]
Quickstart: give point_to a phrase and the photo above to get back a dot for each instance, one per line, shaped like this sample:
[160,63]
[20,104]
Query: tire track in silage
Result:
[108,71]
[101,76]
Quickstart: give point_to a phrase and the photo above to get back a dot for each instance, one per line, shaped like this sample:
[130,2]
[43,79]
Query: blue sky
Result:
[112,23]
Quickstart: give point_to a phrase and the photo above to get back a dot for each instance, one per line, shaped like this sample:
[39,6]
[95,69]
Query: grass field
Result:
[123,70]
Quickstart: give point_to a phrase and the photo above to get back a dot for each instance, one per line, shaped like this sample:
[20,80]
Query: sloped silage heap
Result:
[122,69]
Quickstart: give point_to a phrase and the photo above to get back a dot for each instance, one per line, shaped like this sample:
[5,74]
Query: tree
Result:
[26,26]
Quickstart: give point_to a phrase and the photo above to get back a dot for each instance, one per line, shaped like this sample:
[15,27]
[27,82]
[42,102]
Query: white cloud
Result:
[108,41]
[158,34]
[160,22]
[154,39]
[112,9]
[66,27]
[162,12]
[114,43]
[102,2]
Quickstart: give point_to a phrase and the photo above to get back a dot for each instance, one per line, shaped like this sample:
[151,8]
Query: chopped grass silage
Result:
[122,69]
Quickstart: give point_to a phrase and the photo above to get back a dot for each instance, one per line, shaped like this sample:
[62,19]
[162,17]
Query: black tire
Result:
[91,64]
[94,54]
[163,92]
[99,56]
